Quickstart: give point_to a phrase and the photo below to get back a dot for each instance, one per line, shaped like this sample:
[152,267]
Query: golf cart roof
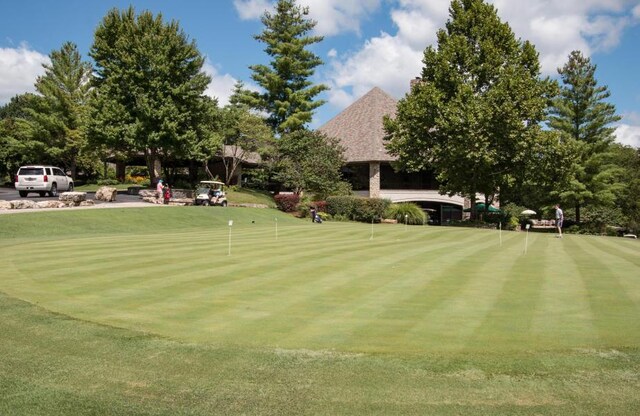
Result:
[211,183]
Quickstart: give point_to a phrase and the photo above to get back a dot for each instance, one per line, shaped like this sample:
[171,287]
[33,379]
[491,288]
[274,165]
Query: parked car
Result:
[42,180]
[211,193]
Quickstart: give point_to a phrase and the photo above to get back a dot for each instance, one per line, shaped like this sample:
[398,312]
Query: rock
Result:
[106,193]
[73,197]
[88,203]
[145,193]
[152,199]
[23,204]
[50,204]
[5,205]
[181,201]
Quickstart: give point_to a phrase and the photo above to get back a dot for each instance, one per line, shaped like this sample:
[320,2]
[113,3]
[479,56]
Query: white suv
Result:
[43,180]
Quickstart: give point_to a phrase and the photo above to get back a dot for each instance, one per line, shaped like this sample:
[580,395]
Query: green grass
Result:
[142,311]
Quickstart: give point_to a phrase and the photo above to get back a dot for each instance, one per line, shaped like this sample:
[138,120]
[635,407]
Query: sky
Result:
[367,43]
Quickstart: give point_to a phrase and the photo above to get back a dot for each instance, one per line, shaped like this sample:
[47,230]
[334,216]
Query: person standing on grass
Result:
[160,191]
[313,214]
[559,220]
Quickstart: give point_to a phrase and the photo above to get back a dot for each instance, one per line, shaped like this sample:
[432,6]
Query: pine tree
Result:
[581,114]
[288,96]
[59,118]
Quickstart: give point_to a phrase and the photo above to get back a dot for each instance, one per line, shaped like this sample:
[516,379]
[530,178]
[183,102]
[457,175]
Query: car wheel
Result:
[206,203]
[71,187]
[224,203]
[54,190]
[23,194]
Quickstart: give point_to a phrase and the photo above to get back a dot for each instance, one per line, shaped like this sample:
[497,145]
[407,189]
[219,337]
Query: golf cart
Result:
[211,193]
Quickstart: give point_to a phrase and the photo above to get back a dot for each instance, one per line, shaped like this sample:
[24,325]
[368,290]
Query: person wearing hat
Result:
[160,190]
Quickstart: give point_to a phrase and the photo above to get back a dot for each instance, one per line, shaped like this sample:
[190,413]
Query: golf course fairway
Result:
[192,310]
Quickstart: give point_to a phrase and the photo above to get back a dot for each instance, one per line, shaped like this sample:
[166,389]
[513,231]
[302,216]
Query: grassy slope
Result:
[324,320]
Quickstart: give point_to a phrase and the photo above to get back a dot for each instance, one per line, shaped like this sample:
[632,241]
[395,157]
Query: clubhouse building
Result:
[369,167]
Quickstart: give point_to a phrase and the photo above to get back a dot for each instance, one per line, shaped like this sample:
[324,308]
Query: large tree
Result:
[309,161]
[474,114]
[582,115]
[149,87]
[288,97]
[57,115]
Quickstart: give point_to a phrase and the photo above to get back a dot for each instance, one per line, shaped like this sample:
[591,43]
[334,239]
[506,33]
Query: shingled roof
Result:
[359,127]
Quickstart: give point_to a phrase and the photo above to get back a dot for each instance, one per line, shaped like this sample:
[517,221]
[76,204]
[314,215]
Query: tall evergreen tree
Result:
[149,87]
[60,116]
[288,96]
[582,115]
[474,115]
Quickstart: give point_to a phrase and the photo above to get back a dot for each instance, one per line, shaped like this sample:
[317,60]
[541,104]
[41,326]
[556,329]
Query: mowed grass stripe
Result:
[328,296]
[316,277]
[564,315]
[615,313]
[450,321]
[508,324]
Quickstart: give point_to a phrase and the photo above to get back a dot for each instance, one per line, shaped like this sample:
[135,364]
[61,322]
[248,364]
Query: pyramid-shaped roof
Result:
[359,127]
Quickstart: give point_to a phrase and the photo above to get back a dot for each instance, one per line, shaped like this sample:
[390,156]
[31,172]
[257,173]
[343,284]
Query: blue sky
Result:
[367,43]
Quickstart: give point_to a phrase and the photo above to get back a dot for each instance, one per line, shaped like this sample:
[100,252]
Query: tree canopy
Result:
[474,114]
[149,86]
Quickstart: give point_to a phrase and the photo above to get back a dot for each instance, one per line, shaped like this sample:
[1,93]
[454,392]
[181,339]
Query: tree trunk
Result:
[120,171]
[578,213]
[154,165]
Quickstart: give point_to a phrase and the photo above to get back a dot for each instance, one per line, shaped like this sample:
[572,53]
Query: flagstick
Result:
[230,224]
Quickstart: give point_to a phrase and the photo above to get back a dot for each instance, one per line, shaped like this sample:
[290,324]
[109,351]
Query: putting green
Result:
[340,286]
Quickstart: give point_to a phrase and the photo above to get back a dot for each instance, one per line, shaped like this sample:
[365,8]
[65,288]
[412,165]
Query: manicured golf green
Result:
[173,310]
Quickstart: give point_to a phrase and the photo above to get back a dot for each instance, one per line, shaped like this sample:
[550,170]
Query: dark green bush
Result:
[107,182]
[356,208]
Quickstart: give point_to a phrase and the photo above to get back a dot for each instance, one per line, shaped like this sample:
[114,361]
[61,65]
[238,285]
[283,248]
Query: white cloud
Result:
[221,85]
[332,16]
[383,62]
[628,134]
[555,27]
[251,9]
[338,16]
[19,69]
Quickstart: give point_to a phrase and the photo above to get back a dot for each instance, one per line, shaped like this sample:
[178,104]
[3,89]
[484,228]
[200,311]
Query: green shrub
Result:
[412,212]
[108,182]
[343,206]
[356,208]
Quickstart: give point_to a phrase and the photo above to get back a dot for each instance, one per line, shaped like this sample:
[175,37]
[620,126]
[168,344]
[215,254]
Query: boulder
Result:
[152,199]
[181,201]
[50,204]
[106,193]
[87,203]
[73,198]
[23,204]
[5,205]
[146,193]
